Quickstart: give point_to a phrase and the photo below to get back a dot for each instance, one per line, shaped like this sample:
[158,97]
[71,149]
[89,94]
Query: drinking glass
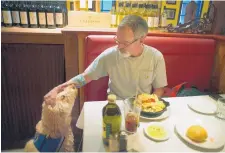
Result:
[132,115]
[220,112]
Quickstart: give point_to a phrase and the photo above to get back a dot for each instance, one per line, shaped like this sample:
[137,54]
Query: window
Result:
[106,5]
[184,4]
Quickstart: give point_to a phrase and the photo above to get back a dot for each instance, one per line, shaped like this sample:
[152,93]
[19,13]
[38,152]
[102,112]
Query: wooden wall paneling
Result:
[29,71]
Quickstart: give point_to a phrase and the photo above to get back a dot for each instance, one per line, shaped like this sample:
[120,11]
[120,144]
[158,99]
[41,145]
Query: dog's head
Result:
[67,96]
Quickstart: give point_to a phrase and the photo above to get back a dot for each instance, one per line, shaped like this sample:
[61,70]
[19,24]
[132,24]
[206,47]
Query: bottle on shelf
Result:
[164,18]
[33,17]
[59,15]
[24,19]
[15,13]
[142,10]
[42,19]
[7,17]
[156,16]
[2,21]
[65,15]
[113,17]
[51,15]
[150,16]
[121,12]
[127,8]
[134,8]
[111,116]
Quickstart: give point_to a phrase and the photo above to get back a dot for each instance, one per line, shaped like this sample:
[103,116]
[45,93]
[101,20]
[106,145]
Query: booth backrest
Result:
[187,60]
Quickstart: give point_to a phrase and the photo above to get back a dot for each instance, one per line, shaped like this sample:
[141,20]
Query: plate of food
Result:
[206,134]
[157,131]
[164,115]
[151,105]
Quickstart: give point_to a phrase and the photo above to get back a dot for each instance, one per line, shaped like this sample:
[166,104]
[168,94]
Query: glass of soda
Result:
[132,114]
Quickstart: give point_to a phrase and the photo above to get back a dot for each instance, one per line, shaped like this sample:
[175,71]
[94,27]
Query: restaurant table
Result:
[90,120]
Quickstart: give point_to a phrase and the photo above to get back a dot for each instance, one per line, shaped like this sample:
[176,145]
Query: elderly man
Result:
[132,67]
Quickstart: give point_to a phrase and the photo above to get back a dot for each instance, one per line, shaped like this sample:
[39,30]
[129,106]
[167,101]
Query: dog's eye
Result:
[73,87]
[63,97]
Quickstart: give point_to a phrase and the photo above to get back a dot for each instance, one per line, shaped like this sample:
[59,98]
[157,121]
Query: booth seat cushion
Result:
[187,60]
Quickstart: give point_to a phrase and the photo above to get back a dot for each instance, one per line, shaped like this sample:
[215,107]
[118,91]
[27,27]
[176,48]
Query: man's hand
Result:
[159,92]
[50,97]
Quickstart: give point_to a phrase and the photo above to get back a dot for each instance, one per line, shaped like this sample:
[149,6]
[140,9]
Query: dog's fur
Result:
[55,121]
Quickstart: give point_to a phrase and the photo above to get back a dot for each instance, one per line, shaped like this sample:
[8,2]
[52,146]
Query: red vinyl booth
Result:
[187,60]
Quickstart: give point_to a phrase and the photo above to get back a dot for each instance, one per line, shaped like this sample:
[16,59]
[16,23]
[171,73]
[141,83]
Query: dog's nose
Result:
[73,86]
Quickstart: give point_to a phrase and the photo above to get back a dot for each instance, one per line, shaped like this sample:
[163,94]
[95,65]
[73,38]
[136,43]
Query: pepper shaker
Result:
[123,141]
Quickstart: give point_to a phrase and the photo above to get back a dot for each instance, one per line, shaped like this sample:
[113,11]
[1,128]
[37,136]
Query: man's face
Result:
[125,40]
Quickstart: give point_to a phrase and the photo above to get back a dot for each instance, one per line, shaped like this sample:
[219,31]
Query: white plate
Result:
[162,116]
[216,136]
[157,124]
[205,105]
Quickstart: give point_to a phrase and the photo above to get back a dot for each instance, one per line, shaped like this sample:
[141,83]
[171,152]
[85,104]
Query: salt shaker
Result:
[114,143]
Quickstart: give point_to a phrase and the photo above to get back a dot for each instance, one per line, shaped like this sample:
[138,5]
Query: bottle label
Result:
[150,22]
[156,21]
[113,21]
[107,128]
[16,16]
[33,18]
[59,18]
[50,18]
[23,17]
[42,18]
[164,20]
[7,17]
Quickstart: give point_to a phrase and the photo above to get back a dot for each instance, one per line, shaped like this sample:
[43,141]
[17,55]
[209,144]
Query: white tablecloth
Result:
[90,121]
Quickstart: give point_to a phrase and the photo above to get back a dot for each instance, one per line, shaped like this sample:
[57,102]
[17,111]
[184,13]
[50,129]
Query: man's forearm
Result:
[80,80]
[159,91]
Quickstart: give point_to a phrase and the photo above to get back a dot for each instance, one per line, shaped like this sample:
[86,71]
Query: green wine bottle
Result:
[111,115]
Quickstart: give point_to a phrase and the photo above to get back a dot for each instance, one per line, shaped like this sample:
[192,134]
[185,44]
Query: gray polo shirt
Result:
[128,76]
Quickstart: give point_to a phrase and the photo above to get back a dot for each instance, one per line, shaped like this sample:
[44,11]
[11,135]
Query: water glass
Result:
[220,112]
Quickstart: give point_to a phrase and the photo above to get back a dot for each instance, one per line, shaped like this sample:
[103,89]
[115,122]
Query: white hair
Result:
[137,24]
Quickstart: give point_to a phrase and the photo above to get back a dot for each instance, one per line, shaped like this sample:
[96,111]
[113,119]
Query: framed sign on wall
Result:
[171,2]
[170,13]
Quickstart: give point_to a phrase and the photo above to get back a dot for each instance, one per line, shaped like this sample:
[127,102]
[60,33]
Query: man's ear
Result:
[142,39]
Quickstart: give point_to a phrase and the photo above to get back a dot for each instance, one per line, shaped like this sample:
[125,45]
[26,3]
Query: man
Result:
[131,66]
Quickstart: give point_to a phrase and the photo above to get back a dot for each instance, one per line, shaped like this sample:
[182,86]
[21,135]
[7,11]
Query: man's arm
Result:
[159,92]
[94,71]
[160,80]
[80,80]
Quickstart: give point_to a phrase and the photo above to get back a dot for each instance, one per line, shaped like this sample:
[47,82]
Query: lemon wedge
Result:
[197,133]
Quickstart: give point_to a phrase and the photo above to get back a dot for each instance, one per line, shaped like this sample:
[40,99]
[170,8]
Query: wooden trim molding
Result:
[31,35]
[219,68]
[32,39]
[71,55]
